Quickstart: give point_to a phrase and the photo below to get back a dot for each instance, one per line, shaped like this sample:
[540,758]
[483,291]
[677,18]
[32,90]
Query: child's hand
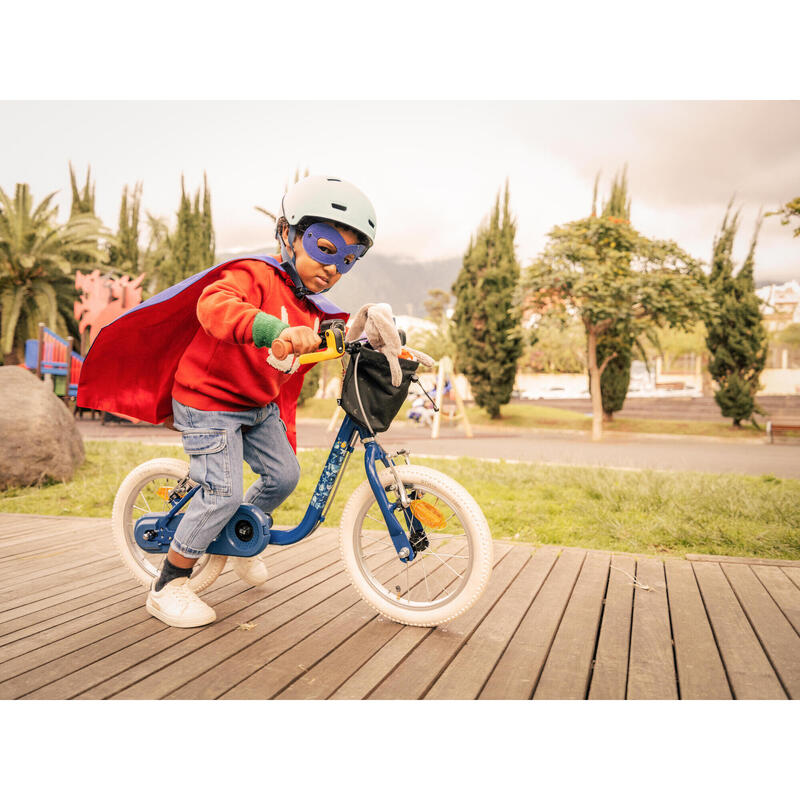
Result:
[302,340]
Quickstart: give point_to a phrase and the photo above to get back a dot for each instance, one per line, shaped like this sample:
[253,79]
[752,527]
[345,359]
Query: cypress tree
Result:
[487,331]
[124,255]
[191,245]
[736,340]
[616,377]
[82,201]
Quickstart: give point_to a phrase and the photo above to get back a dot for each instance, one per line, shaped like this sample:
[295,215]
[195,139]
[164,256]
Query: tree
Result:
[614,349]
[613,278]
[436,304]
[82,201]
[157,253]
[191,246]
[310,385]
[437,343]
[736,339]
[789,210]
[486,322]
[36,283]
[554,346]
[124,255]
[616,344]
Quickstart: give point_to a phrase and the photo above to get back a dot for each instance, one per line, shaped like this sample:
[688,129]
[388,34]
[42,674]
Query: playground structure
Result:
[103,298]
[53,355]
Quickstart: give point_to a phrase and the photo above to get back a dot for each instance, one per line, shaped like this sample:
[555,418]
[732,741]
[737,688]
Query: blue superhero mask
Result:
[320,238]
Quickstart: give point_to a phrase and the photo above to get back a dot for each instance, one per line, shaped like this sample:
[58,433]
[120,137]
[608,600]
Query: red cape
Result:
[130,367]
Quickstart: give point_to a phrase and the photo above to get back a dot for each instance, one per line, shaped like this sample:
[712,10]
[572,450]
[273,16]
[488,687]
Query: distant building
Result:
[412,325]
[780,305]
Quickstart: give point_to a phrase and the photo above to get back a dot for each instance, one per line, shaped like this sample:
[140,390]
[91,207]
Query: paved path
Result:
[621,450]
[553,623]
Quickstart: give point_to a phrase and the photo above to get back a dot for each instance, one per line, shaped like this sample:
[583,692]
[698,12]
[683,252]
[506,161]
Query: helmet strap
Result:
[287,254]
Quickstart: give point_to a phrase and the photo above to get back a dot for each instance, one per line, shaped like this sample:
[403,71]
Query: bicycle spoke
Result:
[377,541]
[141,494]
[448,555]
[425,576]
[436,555]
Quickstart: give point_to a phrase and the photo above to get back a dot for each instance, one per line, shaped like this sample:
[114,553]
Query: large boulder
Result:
[38,435]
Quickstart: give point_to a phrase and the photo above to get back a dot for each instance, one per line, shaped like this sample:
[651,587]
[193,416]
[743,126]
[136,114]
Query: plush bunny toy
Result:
[375,321]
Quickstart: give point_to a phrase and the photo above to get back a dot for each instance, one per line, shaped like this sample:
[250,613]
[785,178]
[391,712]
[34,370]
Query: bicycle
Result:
[415,545]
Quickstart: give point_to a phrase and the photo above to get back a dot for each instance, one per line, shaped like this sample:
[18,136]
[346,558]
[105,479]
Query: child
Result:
[229,389]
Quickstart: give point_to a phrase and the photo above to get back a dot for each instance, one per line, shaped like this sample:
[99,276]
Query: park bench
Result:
[790,425]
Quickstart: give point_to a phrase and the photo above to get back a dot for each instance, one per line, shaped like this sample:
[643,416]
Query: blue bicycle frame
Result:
[249,531]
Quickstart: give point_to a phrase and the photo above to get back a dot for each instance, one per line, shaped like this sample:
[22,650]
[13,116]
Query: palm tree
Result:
[36,283]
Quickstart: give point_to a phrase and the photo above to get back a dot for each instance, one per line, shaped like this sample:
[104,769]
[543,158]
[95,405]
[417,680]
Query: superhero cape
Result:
[131,365]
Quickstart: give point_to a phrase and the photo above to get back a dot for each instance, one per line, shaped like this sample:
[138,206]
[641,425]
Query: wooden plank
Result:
[380,665]
[610,674]
[44,600]
[764,562]
[328,675]
[54,584]
[205,662]
[777,637]
[793,576]
[15,626]
[322,678]
[268,665]
[279,673]
[57,562]
[124,666]
[517,672]
[567,671]
[701,674]
[251,657]
[154,657]
[44,681]
[417,673]
[78,608]
[468,671]
[651,670]
[783,591]
[749,672]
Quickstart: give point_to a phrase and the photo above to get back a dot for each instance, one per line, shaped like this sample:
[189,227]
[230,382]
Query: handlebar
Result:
[332,338]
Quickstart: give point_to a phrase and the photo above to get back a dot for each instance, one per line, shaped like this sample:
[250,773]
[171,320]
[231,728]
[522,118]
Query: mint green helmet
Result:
[332,199]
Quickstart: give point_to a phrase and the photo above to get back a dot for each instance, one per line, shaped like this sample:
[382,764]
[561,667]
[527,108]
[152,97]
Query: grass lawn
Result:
[634,511]
[523,415]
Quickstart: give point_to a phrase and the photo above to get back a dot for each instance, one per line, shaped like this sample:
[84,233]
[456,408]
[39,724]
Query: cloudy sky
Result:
[432,168]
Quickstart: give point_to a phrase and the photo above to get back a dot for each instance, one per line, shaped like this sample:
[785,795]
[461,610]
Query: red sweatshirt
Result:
[221,369]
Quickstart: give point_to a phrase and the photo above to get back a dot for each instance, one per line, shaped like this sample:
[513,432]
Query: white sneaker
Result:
[177,605]
[251,570]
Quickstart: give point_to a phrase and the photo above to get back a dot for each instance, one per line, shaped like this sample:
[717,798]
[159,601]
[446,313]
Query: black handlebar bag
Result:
[369,371]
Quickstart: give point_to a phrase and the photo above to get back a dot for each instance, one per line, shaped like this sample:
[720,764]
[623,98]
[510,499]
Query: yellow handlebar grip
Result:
[334,348]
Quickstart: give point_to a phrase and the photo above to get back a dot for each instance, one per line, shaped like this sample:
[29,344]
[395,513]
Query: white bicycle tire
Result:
[477,537]
[208,567]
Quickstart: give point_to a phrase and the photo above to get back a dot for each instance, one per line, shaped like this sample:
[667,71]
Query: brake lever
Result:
[333,339]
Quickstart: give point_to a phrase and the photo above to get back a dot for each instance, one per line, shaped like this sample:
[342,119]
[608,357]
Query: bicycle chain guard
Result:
[246,534]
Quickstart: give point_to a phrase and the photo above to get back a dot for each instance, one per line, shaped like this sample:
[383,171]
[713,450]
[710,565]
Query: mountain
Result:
[401,282]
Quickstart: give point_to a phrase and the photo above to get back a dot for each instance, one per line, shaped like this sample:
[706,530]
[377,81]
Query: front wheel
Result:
[449,533]
[139,494]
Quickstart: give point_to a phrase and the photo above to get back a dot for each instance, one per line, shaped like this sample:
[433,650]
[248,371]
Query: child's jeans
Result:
[216,442]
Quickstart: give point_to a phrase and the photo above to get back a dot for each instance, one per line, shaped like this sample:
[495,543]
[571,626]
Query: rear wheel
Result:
[454,548]
[138,495]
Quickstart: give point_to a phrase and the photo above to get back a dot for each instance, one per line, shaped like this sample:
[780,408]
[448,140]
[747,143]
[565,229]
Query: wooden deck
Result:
[553,623]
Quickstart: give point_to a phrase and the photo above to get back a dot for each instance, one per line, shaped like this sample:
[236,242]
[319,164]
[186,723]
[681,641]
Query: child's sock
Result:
[169,572]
